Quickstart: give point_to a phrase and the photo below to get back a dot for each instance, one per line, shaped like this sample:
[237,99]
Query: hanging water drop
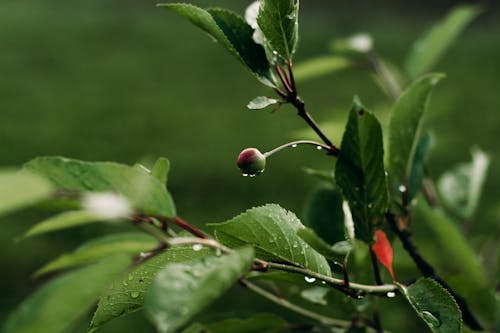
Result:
[134,294]
[244,174]
[402,188]
[319,147]
[309,279]
[197,247]
[391,294]
[294,146]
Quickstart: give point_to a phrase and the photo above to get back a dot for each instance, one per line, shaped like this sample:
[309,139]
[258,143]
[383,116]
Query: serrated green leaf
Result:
[325,215]
[261,102]
[62,221]
[434,305]
[416,174]
[127,295]
[461,187]
[232,32]
[278,20]
[360,171]
[429,48]
[160,170]
[19,189]
[404,129]
[320,66]
[145,193]
[131,243]
[58,304]
[182,290]
[258,323]
[335,252]
[272,230]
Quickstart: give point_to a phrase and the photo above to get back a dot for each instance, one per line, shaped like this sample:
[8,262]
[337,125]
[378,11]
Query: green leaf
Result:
[461,187]
[160,170]
[146,193]
[335,252]
[232,32]
[324,214]
[62,221]
[258,323]
[404,129]
[182,290]
[429,48]
[360,171]
[320,66]
[20,189]
[261,102]
[126,296]
[131,243]
[316,295]
[272,230]
[434,305]
[278,20]
[416,174]
[58,304]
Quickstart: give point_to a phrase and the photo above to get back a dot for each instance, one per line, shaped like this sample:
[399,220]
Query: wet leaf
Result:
[182,290]
[233,33]
[126,295]
[272,230]
[434,305]
[360,171]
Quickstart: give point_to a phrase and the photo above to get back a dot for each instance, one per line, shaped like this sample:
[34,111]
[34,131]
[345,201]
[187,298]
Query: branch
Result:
[428,271]
[380,289]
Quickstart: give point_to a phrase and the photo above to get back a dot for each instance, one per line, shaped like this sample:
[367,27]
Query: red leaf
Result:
[383,250]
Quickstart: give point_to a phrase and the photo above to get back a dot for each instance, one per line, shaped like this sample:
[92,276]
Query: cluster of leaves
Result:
[175,276]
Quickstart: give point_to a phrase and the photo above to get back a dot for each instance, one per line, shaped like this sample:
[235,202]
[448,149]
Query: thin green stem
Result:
[295,144]
[380,289]
[295,308]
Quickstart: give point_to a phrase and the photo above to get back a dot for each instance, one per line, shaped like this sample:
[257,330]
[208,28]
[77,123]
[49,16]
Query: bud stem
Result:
[296,143]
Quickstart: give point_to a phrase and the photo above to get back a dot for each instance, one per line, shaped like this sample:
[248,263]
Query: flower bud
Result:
[251,162]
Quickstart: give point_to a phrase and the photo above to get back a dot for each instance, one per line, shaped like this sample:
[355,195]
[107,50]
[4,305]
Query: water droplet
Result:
[294,146]
[244,174]
[251,176]
[197,247]
[130,277]
[391,294]
[370,205]
[295,244]
[218,252]
[319,147]
[402,188]
[275,53]
[431,319]
[125,283]
[309,279]
[323,282]
[134,294]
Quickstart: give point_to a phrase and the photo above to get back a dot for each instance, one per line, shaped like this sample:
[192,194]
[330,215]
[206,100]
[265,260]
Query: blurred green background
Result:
[125,81]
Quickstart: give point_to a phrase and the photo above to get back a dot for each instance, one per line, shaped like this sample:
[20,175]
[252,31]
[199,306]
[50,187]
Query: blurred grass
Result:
[125,81]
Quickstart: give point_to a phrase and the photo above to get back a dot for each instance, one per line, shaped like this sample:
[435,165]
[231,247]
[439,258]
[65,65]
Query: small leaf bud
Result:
[251,162]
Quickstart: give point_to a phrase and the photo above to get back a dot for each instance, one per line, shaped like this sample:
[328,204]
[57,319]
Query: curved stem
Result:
[381,289]
[295,308]
[295,144]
